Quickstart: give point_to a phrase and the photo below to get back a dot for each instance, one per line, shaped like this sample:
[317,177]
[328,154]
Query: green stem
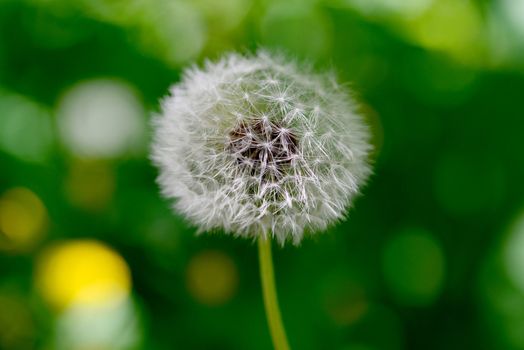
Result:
[274,320]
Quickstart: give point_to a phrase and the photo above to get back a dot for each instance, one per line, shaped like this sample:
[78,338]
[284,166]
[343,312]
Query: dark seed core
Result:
[264,147]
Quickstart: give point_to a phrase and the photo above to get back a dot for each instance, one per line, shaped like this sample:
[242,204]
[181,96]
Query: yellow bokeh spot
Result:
[23,220]
[451,26]
[212,277]
[90,184]
[17,325]
[82,272]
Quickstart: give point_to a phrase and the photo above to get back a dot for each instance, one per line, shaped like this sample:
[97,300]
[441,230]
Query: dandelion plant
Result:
[257,147]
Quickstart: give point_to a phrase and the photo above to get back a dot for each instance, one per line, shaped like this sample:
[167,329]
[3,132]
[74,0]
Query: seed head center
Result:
[265,147]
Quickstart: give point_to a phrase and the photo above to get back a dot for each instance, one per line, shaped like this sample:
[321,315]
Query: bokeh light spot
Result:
[101,119]
[451,26]
[113,326]
[223,15]
[23,220]
[413,265]
[514,253]
[212,278]
[501,288]
[173,30]
[285,25]
[82,272]
[17,326]
[514,10]
[90,184]
[26,130]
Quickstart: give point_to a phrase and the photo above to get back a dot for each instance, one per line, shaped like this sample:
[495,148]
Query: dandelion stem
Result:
[276,327]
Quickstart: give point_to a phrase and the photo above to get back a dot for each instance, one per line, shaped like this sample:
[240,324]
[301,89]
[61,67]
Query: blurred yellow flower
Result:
[82,271]
[23,220]
[212,277]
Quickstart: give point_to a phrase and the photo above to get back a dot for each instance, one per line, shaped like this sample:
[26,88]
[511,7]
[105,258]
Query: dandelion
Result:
[258,148]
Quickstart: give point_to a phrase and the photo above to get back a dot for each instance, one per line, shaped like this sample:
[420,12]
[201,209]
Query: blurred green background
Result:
[431,257]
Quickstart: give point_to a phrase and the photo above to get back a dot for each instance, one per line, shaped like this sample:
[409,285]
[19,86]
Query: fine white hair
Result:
[253,145]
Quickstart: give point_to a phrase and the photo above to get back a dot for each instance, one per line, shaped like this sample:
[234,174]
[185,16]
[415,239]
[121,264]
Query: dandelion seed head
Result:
[253,145]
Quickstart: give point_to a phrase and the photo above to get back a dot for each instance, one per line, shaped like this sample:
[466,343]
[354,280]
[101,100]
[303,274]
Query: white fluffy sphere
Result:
[254,146]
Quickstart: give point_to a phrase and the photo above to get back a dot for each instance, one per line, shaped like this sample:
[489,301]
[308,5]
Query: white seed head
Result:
[254,146]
